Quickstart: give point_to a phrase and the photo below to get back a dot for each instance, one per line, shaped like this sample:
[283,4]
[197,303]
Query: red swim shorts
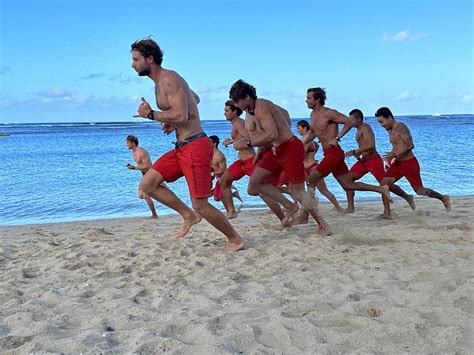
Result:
[217,192]
[410,169]
[287,157]
[193,161]
[333,162]
[373,164]
[240,168]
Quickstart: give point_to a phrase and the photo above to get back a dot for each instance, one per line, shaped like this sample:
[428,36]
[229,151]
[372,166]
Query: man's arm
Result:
[339,118]
[141,164]
[404,141]
[311,134]
[368,143]
[177,99]
[222,165]
[267,128]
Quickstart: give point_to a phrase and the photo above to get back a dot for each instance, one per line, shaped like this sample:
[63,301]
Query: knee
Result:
[420,191]
[253,189]
[225,182]
[202,207]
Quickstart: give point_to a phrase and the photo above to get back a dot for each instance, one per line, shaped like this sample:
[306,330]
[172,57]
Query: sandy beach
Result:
[127,285]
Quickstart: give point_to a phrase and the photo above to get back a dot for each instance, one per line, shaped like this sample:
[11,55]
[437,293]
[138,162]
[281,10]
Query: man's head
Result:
[145,53]
[357,116]
[385,117]
[231,111]
[131,141]
[302,127]
[214,140]
[315,96]
[243,95]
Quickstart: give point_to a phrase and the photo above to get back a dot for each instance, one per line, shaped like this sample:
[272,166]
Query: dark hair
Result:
[240,90]
[384,112]
[148,47]
[132,139]
[357,113]
[233,108]
[303,123]
[319,94]
[215,140]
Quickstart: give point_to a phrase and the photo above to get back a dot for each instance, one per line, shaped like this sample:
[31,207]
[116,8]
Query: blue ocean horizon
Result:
[59,172]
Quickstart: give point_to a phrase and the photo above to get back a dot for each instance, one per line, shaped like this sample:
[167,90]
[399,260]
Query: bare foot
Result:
[324,229]
[153,216]
[301,217]
[447,203]
[289,214]
[231,215]
[341,210]
[348,210]
[237,245]
[385,190]
[385,216]
[411,202]
[187,224]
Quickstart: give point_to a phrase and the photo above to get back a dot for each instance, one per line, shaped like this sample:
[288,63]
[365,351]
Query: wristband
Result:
[338,138]
[249,144]
[150,115]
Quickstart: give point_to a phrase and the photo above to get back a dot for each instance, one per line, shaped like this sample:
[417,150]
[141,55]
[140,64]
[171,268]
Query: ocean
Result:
[61,172]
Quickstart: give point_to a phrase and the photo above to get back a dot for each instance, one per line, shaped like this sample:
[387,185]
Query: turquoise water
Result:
[66,172]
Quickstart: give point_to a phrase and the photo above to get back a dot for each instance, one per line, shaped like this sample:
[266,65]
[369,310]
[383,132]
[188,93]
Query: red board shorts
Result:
[333,162]
[374,165]
[287,157]
[240,168]
[410,169]
[217,191]
[193,161]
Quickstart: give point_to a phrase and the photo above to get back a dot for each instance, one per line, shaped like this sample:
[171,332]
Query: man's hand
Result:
[388,157]
[240,144]
[143,109]
[227,142]
[130,166]
[350,153]
[166,128]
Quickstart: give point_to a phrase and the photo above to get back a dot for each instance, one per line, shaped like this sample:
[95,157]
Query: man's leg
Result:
[218,220]
[387,214]
[323,189]
[424,191]
[226,184]
[397,190]
[258,186]
[151,185]
[347,184]
[149,202]
[309,204]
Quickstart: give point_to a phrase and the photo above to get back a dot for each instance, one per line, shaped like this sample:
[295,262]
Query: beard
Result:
[144,72]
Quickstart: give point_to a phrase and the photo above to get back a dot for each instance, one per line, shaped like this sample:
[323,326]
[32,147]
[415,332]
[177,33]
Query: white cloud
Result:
[93,76]
[468,98]
[407,96]
[402,36]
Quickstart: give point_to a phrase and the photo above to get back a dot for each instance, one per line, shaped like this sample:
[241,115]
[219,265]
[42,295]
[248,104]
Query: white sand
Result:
[127,285]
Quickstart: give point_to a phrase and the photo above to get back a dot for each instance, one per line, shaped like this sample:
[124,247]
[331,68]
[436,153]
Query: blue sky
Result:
[68,60]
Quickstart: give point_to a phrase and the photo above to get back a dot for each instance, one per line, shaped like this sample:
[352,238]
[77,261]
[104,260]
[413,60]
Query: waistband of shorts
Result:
[190,139]
[406,161]
[285,143]
[332,148]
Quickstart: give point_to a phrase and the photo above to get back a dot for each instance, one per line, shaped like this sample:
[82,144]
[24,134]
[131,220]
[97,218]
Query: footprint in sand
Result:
[97,232]
[12,342]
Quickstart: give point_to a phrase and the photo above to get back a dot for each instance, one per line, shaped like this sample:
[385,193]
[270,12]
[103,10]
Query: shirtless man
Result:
[324,125]
[403,162]
[143,160]
[310,163]
[218,167]
[193,153]
[244,165]
[269,123]
[368,160]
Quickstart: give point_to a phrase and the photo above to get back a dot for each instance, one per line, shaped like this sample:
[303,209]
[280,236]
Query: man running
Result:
[403,162]
[143,160]
[218,167]
[368,160]
[324,125]
[268,123]
[244,165]
[193,152]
